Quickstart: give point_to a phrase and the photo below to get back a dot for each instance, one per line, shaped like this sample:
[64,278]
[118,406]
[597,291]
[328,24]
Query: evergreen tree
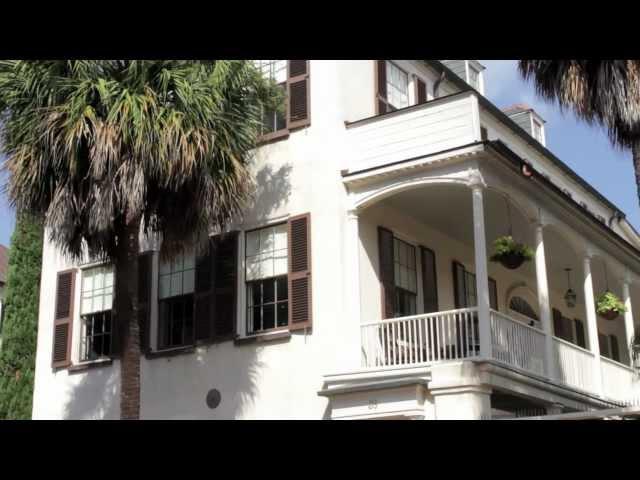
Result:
[20,327]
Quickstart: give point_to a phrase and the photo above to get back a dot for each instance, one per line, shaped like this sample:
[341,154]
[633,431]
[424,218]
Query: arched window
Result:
[521,306]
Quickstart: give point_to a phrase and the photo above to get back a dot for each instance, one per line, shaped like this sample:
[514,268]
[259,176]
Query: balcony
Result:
[453,335]
[413,132]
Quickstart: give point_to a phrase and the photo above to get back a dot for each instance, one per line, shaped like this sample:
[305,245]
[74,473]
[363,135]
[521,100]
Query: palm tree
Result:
[106,149]
[606,92]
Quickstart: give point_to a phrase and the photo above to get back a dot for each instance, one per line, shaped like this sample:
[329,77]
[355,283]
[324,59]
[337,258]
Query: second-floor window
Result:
[266,258]
[95,313]
[537,131]
[274,120]
[176,288]
[397,86]
[404,263]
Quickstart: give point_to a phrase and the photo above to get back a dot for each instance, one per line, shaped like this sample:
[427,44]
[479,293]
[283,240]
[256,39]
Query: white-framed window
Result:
[266,278]
[96,303]
[474,77]
[176,287]
[397,86]
[276,70]
[406,278]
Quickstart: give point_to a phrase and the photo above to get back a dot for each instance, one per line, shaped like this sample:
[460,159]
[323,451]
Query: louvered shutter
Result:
[145,272]
[63,319]
[298,94]
[603,341]
[225,264]
[381,87]
[203,297]
[615,350]
[580,337]
[459,290]
[300,299]
[421,91]
[429,280]
[493,294]
[387,274]
[557,323]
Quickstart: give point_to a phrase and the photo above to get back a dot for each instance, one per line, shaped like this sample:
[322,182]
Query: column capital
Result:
[475,180]
[352,214]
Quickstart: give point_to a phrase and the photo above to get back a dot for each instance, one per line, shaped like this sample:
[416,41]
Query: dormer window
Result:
[537,131]
[474,77]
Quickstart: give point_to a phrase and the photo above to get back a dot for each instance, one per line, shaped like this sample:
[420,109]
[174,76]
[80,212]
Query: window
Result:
[397,87]
[175,294]
[266,256]
[404,262]
[521,306]
[465,292]
[95,313]
[474,78]
[276,70]
[537,131]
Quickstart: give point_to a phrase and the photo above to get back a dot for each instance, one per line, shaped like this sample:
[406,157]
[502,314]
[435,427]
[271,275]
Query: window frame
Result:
[282,133]
[410,101]
[157,334]
[243,330]
[78,326]
[402,290]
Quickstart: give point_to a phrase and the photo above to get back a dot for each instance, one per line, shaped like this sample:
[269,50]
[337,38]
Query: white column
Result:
[543,302]
[592,322]
[628,317]
[482,274]
[351,334]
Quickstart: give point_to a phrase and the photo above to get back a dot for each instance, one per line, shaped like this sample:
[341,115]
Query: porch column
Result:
[628,316]
[592,322]
[352,349]
[543,302]
[482,274]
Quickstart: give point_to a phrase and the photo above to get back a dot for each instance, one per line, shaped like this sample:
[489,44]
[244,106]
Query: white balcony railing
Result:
[421,339]
[574,366]
[454,335]
[619,382]
[413,132]
[517,344]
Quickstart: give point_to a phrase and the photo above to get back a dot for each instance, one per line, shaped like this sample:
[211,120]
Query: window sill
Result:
[273,137]
[170,352]
[263,337]
[84,366]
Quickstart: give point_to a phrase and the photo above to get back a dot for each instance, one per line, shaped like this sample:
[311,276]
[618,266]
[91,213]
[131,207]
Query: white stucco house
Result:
[359,284]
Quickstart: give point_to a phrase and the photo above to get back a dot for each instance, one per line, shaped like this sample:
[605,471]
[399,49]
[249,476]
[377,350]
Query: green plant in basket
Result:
[510,253]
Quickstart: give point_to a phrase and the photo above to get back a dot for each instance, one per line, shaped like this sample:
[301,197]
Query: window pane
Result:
[188,281]
[283,314]
[253,242]
[257,319]
[268,292]
[282,286]
[268,316]
[176,284]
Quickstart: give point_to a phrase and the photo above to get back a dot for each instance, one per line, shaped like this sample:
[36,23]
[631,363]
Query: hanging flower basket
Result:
[609,306]
[509,253]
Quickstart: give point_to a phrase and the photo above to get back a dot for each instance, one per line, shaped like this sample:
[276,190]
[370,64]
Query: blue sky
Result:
[584,148]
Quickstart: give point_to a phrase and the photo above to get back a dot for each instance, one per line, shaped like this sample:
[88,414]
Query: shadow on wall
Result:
[273,189]
[94,394]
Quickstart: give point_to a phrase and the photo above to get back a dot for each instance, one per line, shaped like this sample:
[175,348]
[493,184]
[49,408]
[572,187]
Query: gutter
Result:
[460,83]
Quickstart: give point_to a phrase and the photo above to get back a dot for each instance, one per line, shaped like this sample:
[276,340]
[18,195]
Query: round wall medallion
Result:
[213,398]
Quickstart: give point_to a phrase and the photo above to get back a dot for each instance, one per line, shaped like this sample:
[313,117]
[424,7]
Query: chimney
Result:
[527,118]
[471,71]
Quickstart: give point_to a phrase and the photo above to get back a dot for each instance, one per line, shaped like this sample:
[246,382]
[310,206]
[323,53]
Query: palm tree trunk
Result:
[635,151]
[127,320]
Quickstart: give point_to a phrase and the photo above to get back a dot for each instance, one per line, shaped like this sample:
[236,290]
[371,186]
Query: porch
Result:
[443,302]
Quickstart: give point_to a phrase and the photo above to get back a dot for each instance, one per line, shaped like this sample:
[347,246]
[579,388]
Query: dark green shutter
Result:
[603,341]
[615,350]
[225,267]
[203,298]
[381,87]
[459,290]
[429,280]
[387,274]
[493,294]
[580,337]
